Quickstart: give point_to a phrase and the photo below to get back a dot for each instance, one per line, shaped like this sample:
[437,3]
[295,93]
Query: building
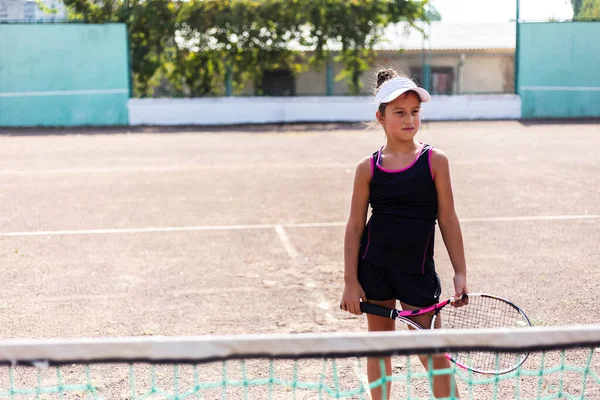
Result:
[28,11]
[464,59]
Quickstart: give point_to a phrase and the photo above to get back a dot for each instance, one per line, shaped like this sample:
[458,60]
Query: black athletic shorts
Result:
[385,284]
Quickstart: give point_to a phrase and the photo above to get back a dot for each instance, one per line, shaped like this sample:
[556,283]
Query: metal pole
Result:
[229,79]
[517,47]
[329,78]
[425,49]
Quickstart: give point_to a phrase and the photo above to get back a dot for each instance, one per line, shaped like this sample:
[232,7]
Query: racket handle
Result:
[378,310]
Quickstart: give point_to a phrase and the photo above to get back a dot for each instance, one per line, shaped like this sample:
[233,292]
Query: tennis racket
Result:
[481,311]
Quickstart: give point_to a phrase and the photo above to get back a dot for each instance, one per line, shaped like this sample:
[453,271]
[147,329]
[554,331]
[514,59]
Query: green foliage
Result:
[44,8]
[250,36]
[587,10]
[191,44]
[354,27]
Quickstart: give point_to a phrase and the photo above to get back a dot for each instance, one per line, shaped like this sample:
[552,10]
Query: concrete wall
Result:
[258,110]
[63,75]
[559,66]
[483,73]
[488,74]
[12,10]
[15,10]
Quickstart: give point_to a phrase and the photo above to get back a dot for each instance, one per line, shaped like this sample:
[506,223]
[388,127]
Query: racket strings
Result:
[480,313]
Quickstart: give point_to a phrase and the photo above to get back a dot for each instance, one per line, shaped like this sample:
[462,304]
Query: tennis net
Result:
[562,363]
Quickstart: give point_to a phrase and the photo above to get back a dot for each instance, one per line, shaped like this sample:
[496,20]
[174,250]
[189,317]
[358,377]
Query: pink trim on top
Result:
[429,161]
[372,166]
[426,247]
[398,170]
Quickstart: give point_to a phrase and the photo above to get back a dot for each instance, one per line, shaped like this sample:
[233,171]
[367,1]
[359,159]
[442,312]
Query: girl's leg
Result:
[374,364]
[442,384]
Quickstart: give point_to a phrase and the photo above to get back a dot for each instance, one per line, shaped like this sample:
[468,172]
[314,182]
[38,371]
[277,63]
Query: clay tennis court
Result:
[233,231]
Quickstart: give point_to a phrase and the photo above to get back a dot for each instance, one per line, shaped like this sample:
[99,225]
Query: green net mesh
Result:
[568,373]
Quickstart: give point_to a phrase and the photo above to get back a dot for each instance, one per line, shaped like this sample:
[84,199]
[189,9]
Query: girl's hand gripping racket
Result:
[479,311]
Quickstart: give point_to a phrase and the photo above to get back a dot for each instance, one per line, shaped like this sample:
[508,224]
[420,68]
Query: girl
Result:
[408,186]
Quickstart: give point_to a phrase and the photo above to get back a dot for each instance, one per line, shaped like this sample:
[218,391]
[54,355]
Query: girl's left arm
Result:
[448,221]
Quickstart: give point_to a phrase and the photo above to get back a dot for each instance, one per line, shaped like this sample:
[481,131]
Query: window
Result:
[278,83]
[3,10]
[30,7]
[442,79]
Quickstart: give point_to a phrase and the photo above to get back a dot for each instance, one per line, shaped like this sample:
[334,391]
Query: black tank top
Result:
[401,231]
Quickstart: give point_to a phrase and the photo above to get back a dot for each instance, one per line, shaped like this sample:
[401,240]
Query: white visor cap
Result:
[396,87]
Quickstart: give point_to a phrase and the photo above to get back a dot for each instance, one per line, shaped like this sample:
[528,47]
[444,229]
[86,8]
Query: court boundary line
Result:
[271,226]
[125,169]
[296,258]
[89,92]
[122,294]
[562,88]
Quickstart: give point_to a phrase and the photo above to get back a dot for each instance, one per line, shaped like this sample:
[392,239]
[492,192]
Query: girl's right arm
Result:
[353,292]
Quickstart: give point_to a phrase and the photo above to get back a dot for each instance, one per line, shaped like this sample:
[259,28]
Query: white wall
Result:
[483,72]
[488,73]
[259,110]
[472,107]
[15,10]
[12,10]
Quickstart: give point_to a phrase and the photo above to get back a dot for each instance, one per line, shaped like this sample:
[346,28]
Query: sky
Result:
[462,11]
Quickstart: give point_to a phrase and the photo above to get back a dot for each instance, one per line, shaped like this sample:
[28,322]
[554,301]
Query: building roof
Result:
[444,36]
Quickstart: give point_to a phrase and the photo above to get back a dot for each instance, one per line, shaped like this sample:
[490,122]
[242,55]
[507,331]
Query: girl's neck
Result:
[409,146]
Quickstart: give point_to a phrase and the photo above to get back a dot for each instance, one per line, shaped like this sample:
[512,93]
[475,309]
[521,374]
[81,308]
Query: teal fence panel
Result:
[558,69]
[63,75]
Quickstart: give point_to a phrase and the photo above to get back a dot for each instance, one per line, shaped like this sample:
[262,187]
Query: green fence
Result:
[63,75]
[558,69]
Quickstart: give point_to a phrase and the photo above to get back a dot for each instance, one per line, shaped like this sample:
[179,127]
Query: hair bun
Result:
[384,75]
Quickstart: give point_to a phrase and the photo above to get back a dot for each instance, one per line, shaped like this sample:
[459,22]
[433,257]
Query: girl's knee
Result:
[377,323]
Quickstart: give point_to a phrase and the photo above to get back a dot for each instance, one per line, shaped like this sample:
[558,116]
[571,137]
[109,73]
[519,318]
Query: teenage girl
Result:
[407,184]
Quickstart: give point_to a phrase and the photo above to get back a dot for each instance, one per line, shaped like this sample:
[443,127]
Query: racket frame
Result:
[404,316]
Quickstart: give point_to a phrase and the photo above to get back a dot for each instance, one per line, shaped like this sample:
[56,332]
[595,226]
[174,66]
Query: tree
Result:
[246,37]
[197,44]
[587,10]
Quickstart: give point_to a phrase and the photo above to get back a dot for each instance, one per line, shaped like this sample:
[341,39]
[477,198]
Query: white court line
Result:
[173,294]
[364,381]
[320,299]
[273,226]
[138,230]
[167,168]
[191,167]
[314,225]
[66,93]
[287,243]
[563,88]
[531,218]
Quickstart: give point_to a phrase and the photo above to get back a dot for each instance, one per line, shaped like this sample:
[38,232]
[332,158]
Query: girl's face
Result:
[402,117]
